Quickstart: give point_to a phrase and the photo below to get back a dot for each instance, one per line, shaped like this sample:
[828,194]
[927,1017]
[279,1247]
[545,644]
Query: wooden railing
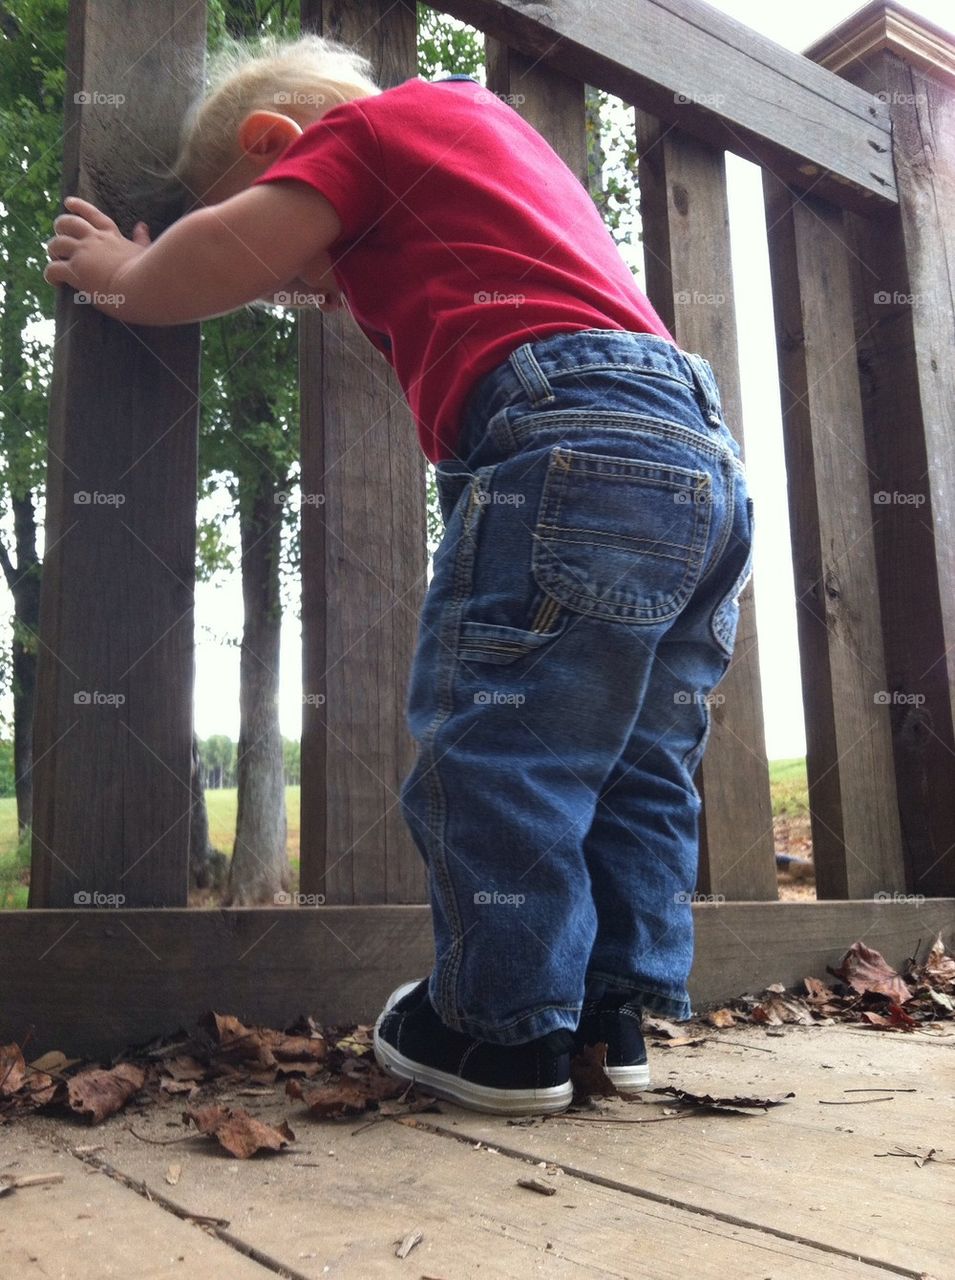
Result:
[858,170]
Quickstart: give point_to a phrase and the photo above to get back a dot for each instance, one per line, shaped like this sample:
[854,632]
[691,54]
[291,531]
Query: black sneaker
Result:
[412,1043]
[617,1025]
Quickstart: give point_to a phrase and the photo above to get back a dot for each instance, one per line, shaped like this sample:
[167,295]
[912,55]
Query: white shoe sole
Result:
[477,1097]
[634,1077]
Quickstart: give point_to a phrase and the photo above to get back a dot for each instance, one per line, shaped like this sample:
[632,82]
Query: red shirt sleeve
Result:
[340,157]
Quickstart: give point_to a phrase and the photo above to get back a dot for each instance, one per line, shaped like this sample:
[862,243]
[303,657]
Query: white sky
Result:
[219,608]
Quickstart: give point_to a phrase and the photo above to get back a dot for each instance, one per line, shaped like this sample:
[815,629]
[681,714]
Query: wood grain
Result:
[364,562]
[689,275]
[857,846]
[905,325]
[690,65]
[111,778]
[94,981]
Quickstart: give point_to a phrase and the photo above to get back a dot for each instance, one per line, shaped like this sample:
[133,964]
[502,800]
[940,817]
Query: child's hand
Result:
[90,253]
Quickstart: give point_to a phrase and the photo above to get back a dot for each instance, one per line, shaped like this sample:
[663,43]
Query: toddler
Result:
[598,532]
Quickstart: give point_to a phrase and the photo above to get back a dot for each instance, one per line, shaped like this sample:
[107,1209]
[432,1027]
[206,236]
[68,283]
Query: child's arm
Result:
[210,262]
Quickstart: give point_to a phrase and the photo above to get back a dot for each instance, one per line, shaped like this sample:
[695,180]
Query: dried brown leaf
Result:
[866,970]
[98,1094]
[739,1102]
[588,1074]
[721,1018]
[238,1132]
[12,1069]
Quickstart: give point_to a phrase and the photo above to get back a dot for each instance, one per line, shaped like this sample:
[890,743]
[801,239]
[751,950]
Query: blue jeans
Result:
[598,531]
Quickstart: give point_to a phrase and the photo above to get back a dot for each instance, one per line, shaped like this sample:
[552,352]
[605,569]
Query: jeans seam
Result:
[463,572]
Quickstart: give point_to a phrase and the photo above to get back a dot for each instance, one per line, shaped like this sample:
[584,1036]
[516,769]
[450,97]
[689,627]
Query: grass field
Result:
[787,782]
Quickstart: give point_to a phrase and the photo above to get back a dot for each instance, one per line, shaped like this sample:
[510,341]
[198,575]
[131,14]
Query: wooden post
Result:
[113,728]
[364,563]
[855,823]
[690,281]
[905,321]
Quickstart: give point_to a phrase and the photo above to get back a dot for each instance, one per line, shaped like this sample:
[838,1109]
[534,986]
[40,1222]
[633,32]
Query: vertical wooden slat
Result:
[113,730]
[364,563]
[855,822]
[902,272]
[690,282]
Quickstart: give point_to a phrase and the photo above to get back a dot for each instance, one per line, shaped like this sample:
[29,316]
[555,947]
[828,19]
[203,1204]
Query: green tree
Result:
[32,77]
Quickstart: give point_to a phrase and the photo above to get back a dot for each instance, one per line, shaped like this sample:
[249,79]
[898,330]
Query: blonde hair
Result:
[301,77]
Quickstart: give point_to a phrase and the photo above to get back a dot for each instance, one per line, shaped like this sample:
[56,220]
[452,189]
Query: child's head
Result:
[278,83]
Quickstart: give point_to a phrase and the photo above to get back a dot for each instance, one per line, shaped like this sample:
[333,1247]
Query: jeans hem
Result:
[676,1007]
[531,1026]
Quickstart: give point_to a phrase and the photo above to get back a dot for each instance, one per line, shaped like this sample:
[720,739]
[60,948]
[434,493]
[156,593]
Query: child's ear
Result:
[266,134]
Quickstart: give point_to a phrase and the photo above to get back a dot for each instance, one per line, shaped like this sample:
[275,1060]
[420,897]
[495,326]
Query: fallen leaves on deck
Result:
[333,1072]
[238,1132]
[736,1102]
[98,1094]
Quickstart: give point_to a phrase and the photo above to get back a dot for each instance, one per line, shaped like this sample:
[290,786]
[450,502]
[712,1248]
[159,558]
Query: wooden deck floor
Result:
[804,1189]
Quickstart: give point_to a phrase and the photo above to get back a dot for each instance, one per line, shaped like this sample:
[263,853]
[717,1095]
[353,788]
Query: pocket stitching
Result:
[549,577]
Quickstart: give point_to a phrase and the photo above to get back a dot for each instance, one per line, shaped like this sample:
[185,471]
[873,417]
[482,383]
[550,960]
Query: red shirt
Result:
[464,236]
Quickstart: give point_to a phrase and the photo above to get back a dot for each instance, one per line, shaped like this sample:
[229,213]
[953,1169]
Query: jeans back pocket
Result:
[621,539]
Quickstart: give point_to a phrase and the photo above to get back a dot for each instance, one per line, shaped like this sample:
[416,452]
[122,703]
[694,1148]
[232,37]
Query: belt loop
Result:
[524,364]
[706,388]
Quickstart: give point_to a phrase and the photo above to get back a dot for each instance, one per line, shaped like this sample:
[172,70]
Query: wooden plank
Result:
[336,1205]
[691,65]
[686,244]
[857,845]
[777,1171]
[92,1225]
[364,565]
[99,980]
[905,321]
[113,730]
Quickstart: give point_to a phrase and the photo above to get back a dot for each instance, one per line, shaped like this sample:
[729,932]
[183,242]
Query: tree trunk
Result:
[260,859]
[22,578]
[208,868]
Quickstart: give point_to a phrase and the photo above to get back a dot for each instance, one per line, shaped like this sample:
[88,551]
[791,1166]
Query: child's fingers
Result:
[95,217]
[58,273]
[60,247]
[69,224]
